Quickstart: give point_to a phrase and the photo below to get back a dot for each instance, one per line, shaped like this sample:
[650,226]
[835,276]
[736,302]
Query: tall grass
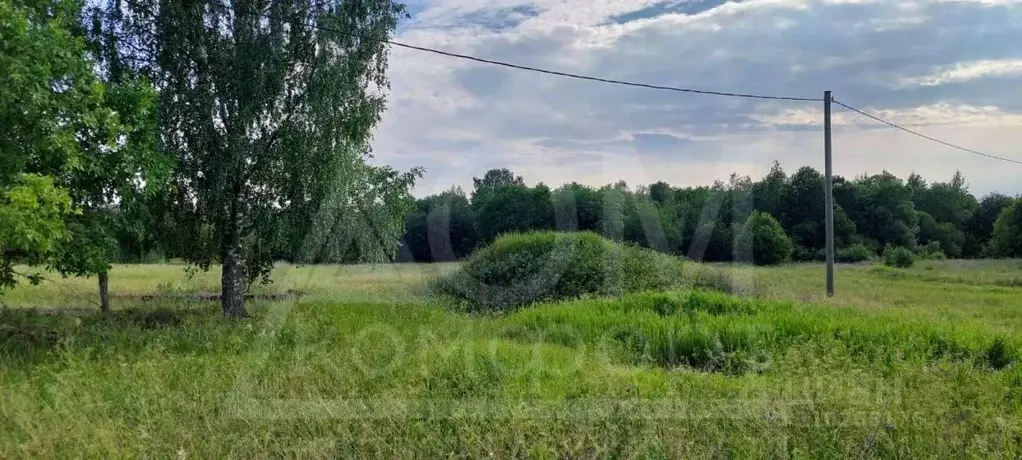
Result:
[365,366]
[715,332]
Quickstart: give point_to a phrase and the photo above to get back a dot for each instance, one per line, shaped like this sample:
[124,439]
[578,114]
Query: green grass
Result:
[914,362]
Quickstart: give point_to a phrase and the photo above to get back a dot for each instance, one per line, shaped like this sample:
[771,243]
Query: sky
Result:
[951,69]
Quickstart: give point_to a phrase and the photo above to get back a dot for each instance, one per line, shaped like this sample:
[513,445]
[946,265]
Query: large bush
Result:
[520,269]
[897,256]
[764,237]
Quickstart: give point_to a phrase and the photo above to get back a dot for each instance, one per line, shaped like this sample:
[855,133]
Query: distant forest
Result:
[871,213]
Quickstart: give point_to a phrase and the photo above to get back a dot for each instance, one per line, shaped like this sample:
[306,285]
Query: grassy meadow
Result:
[365,362]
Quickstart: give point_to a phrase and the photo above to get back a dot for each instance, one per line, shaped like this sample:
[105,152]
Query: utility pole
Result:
[828,186]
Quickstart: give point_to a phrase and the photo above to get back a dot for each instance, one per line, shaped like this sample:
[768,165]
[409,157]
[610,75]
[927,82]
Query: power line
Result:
[964,149]
[551,72]
[634,84]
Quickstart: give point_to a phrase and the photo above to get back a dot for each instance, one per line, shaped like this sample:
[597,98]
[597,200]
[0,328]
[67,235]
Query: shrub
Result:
[520,269]
[897,256]
[804,254]
[765,238]
[931,251]
[855,253]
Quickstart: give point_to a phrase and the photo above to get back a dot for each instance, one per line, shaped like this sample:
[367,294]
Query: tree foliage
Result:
[93,135]
[803,215]
[441,228]
[885,212]
[980,226]
[577,207]
[495,178]
[762,241]
[51,106]
[504,204]
[33,214]
[706,222]
[769,192]
[1007,236]
[360,224]
[269,108]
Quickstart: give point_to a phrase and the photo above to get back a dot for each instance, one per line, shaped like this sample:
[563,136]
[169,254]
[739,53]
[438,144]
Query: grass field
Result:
[918,362]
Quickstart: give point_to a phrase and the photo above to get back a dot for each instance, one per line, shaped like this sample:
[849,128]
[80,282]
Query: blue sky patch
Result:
[686,7]
[500,19]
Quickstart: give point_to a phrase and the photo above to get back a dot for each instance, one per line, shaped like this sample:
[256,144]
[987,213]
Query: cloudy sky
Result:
[949,68]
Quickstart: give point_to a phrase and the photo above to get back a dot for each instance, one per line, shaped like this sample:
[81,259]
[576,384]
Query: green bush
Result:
[520,269]
[855,253]
[900,257]
[931,251]
[804,254]
[764,237]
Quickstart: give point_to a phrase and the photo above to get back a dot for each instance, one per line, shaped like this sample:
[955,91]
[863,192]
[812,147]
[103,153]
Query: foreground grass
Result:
[916,363]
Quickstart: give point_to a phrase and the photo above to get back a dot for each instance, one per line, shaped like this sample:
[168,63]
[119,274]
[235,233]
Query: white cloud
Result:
[927,115]
[966,71]
[895,59]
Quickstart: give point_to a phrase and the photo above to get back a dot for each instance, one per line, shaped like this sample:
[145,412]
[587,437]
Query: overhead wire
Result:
[637,84]
[924,136]
[548,71]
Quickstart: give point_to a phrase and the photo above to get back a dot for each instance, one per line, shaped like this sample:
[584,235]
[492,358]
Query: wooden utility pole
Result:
[828,193]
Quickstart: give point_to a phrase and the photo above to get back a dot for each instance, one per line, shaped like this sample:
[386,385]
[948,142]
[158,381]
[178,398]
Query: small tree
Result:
[1007,238]
[111,187]
[94,138]
[763,235]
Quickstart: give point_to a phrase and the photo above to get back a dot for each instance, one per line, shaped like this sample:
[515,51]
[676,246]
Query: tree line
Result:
[234,133]
[871,212]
